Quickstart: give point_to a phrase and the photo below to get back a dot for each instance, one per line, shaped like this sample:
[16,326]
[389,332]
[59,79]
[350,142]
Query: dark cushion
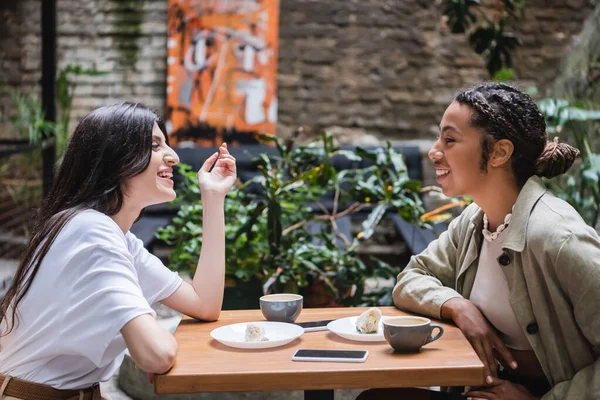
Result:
[416,238]
[145,228]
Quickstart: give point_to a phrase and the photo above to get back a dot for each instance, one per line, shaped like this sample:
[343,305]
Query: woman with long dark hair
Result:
[84,288]
[519,270]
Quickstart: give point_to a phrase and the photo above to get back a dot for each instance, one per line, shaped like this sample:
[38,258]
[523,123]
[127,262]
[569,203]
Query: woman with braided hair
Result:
[519,270]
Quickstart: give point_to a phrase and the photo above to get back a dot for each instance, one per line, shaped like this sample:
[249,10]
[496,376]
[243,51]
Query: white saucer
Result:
[346,328]
[278,333]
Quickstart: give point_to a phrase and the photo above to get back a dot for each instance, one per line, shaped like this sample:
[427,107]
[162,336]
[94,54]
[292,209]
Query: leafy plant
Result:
[459,14]
[20,175]
[65,89]
[504,75]
[271,220]
[494,45]
[488,38]
[29,121]
[577,124]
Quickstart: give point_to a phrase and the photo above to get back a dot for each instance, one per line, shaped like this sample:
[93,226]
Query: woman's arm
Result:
[428,280]
[577,267]
[203,299]
[152,347]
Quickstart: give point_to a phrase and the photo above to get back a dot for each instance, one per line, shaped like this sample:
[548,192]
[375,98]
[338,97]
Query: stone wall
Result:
[386,67]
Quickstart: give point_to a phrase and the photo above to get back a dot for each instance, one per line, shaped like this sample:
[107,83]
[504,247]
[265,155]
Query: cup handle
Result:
[436,337]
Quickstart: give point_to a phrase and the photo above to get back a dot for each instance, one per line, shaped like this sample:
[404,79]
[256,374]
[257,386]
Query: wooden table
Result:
[205,365]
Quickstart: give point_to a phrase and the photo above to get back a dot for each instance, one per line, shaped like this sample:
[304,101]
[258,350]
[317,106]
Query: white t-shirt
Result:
[93,280]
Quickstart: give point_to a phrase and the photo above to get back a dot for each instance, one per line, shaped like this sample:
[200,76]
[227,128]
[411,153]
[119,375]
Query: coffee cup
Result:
[409,334]
[283,307]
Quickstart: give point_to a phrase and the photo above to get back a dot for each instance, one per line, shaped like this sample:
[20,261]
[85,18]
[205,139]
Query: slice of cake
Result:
[368,322]
[255,333]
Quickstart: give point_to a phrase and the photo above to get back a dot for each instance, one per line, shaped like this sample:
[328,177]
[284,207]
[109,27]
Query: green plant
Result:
[488,38]
[65,89]
[128,19]
[268,220]
[577,124]
[20,174]
[29,121]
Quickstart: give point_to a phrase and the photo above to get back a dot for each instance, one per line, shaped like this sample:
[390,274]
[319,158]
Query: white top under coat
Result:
[490,294]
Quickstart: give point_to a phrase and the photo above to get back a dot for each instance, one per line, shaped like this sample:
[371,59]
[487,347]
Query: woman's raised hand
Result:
[500,389]
[222,177]
[479,333]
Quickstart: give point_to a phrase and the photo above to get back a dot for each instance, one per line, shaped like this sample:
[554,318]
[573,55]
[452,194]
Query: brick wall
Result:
[20,44]
[388,67]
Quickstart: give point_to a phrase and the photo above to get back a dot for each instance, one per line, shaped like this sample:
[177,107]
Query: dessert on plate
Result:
[368,322]
[255,333]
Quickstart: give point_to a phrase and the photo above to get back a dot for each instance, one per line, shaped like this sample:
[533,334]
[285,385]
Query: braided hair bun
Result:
[556,159]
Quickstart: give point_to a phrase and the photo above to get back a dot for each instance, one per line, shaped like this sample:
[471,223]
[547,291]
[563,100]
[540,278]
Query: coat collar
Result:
[529,195]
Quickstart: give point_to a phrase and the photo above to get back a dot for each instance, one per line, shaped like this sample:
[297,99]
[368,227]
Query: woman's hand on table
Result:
[479,333]
[222,177]
[500,389]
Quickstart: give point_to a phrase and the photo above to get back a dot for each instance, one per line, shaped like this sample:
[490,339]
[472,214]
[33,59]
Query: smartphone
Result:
[330,355]
[312,326]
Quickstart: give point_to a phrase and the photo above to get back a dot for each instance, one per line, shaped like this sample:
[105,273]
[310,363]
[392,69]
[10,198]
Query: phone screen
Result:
[351,354]
[313,324]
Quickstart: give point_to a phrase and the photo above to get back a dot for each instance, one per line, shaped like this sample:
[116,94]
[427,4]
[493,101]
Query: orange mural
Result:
[222,70]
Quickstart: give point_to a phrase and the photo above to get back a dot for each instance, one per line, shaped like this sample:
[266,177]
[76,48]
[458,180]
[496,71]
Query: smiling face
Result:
[457,153]
[155,184]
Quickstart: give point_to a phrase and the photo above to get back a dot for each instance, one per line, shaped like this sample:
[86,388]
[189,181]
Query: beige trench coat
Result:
[551,260]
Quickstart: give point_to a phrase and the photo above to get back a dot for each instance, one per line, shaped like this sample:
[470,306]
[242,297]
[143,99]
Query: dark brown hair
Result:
[110,145]
[502,111]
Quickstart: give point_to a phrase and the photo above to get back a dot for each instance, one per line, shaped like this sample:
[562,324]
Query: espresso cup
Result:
[284,307]
[408,334]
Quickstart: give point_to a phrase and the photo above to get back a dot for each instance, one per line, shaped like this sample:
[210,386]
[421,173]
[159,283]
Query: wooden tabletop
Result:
[205,365]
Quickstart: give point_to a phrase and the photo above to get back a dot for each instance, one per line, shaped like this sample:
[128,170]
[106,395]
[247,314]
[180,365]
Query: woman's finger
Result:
[224,149]
[505,353]
[478,347]
[209,162]
[489,354]
[226,161]
[228,166]
[497,382]
[479,394]
[226,157]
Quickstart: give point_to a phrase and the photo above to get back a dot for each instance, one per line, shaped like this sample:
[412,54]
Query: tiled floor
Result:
[112,389]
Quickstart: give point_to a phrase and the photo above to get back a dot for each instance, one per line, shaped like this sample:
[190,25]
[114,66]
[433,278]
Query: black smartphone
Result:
[330,355]
[312,326]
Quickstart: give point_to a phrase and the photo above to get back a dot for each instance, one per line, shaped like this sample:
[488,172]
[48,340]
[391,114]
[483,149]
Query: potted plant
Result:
[280,227]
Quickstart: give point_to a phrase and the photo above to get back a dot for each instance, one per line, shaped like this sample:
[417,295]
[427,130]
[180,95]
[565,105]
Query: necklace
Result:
[491,236]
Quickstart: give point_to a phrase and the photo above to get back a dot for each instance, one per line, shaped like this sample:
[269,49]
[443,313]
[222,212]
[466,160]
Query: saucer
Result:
[346,328]
[278,333]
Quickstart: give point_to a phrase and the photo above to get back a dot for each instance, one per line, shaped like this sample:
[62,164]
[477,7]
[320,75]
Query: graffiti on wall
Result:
[221,70]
